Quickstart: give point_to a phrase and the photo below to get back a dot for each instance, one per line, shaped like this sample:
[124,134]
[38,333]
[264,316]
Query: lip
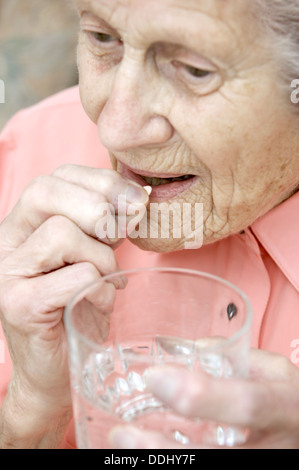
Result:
[165,191]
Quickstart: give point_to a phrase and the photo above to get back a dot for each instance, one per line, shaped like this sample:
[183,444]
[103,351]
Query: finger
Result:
[105,181]
[113,229]
[126,201]
[129,437]
[88,312]
[58,242]
[50,195]
[270,366]
[257,405]
[30,304]
[23,301]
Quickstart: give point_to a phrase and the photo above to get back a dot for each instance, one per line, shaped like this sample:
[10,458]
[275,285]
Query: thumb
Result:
[265,365]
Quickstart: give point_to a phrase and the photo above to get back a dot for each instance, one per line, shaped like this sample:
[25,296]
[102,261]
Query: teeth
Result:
[155,181]
[159,181]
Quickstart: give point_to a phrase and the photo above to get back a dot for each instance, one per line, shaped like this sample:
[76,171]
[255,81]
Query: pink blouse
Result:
[263,261]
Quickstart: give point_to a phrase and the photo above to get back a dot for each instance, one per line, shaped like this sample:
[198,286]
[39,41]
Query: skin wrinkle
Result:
[217,220]
[217,22]
[151,116]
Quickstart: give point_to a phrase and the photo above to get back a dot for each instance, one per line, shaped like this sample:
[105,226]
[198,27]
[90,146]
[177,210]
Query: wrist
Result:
[32,422]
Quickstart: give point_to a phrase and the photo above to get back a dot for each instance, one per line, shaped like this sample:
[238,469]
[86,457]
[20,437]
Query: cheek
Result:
[93,86]
[208,133]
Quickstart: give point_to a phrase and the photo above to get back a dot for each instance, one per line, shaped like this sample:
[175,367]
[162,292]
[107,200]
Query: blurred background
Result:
[37,51]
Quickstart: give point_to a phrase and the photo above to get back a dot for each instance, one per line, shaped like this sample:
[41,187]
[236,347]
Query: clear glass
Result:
[125,323]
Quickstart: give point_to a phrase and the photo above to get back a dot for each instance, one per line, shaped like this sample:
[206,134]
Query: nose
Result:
[130,117]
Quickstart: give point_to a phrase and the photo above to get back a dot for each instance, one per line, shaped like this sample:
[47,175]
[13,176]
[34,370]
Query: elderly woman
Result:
[192,98]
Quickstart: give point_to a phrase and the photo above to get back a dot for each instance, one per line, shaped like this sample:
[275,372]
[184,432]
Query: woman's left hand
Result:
[266,404]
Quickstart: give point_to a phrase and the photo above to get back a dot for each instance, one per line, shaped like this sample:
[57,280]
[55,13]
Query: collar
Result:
[278,233]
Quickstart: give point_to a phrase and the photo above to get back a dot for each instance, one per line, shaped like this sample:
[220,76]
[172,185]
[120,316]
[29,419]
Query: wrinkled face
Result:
[187,100]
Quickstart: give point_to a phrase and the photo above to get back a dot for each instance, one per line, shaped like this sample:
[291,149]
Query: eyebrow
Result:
[89,3]
[201,24]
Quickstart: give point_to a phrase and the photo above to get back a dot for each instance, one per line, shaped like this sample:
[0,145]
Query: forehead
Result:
[220,21]
[188,4]
[221,9]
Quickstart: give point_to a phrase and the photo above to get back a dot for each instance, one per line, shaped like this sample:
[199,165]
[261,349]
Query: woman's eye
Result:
[201,80]
[190,72]
[103,38]
[100,39]
[197,73]
[104,45]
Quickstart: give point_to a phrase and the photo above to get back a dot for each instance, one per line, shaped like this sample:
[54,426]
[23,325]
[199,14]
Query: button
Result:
[231,311]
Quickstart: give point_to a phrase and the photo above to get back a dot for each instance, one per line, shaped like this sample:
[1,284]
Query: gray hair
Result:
[280,19]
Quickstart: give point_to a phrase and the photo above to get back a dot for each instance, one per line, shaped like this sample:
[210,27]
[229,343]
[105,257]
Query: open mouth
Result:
[154,181]
[163,186]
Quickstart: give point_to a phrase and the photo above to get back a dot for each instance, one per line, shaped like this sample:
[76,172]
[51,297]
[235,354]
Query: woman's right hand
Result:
[48,249]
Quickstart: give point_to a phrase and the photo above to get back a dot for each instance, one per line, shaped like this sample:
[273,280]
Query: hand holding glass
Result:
[127,322]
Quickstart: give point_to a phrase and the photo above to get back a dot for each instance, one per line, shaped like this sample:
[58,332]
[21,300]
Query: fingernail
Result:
[136,194]
[122,438]
[120,281]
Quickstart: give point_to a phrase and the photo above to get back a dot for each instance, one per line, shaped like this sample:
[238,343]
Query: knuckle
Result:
[63,170]
[36,191]
[285,367]
[108,180]
[86,272]
[58,230]
[13,295]
[58,222]
[51,243]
